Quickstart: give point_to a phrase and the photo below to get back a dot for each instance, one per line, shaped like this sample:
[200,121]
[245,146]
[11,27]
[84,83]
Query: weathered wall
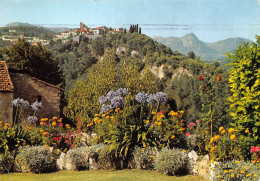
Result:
[30,89]
[6,107]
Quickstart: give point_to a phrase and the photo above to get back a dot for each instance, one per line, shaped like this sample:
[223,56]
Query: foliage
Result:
[236,170]
[28,31]
[172,162]
[39,159]
[105,75]
[144,157]
[11,138]
[245,87]
[79,157]
[34,60]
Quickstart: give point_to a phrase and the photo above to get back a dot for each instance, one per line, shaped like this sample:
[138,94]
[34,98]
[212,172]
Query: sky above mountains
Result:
[210,20]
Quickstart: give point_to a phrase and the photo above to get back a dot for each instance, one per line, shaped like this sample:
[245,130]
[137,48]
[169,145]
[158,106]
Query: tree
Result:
[34,60]
[140,32]
[191,55]
[245,87]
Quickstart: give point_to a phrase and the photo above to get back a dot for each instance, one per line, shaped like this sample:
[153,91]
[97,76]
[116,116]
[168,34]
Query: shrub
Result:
[144,157]
[39,159]
[78,158]
[237,170]
[244,82]
[172,162]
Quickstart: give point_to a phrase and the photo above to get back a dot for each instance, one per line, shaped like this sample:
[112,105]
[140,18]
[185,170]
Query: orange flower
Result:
[68,126]
[232,137]
[152,126]
[223,131]
[172,137]
[212,149]
[29,128]
[41,131]
[54,123]
[159,124]
[247,130]
[182,129]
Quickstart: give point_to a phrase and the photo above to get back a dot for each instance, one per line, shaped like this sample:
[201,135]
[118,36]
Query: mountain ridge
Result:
[206,50]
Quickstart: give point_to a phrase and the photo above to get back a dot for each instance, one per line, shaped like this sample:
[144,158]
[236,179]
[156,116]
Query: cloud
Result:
[259,1]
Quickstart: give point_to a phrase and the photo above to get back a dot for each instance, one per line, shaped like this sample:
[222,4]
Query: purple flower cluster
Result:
[114,98]
[37,105]
[141,97]
[32,119]
[153,99]
[21,102]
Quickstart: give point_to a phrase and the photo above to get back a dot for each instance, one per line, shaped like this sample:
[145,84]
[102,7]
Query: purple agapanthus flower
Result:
[118,102]
[105,108]
[16,102]
[121,91]
[32,119]
[37,105]
[141,97]
[21,102]
[152,99]
[103,100]
[162,97]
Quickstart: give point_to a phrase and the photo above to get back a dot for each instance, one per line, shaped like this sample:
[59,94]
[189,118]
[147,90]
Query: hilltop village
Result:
[65,36]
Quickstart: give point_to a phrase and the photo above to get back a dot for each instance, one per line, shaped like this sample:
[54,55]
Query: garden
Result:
[120,120]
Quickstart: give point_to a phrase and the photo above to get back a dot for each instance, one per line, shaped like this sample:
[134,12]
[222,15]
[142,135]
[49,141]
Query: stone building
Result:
[6,94]
[15,85]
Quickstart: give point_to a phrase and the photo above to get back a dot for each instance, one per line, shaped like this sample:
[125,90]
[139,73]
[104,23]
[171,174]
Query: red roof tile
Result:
[5,80]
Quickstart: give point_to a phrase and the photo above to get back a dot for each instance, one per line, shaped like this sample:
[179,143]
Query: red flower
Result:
[202,89]
[60,124]
[201,77]
[60,138]
[56,138]
[187,134]
[218,78]
[66,141]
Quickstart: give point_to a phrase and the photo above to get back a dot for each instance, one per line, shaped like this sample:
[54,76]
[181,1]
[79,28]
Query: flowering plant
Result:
[256,150]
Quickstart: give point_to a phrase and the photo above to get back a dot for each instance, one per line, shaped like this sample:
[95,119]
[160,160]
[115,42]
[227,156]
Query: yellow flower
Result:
[172,137]
[242,171]
[182,112]
[247,130]
[54,123]
[225,171]
[1,122]
[221,128]
[184,151]
[212,149]
[103,115]
[29,127]
[60,120]
[211,140]
[254,175]
[216,137]
[121,111]
[159,124]
[153,113]
[232,137]
[68,126]
[97,115]
[107,117]
[232,175]
[219,176]
[111,117]
[248,175]
[147,121]
[152,126]
[223,131]
[244,167]
[237,162]
[222,180]
[54,118]
[230,170]
[231,130]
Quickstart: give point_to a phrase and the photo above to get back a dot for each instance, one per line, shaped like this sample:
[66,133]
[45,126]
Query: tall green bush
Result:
[245,85]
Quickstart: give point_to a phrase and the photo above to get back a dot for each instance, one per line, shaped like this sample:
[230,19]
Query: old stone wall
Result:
[6,107]
[32,89]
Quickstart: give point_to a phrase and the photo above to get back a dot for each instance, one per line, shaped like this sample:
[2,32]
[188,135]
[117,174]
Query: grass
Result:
[97,175]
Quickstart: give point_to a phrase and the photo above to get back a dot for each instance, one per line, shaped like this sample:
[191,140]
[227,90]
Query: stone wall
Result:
[6,107]
[32,89]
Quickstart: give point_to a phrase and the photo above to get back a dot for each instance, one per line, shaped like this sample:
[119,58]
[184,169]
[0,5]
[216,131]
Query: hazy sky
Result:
[210,20]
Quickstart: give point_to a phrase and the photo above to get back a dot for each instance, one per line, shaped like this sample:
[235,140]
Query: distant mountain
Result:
[57,29]
[190,42]
[18,24]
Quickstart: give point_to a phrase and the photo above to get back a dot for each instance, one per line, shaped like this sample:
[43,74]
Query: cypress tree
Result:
[140,31]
